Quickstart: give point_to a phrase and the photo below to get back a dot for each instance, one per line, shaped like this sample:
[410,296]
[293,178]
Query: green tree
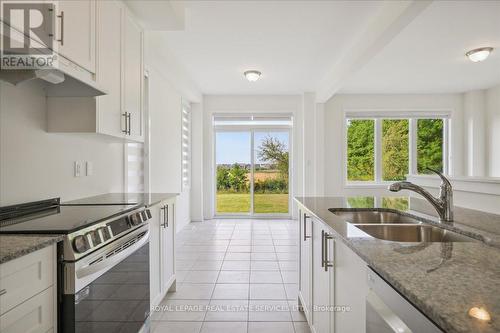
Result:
[238,178]
[394,149]
[274,151]
[223,182]
[429,145]
[360,150]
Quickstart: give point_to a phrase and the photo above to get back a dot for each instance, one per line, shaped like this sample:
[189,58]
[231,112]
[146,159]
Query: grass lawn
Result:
[240,203]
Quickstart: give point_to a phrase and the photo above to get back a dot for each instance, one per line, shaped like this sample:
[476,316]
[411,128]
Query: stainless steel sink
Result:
[373,217]
[412,233]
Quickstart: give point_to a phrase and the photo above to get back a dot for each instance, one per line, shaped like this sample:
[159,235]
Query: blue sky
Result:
[234,147]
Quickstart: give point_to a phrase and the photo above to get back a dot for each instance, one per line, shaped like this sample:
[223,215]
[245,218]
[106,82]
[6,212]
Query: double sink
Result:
[397,227]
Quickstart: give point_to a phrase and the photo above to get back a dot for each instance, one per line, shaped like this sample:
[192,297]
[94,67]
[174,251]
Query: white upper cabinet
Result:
[109,67]
[133,75]
[76,32]
[119,70]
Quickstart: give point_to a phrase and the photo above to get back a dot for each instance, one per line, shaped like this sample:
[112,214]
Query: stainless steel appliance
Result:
[389,312]
[103,262]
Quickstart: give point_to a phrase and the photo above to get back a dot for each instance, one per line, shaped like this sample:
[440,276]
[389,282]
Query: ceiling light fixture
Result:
[252,75]
[479,54]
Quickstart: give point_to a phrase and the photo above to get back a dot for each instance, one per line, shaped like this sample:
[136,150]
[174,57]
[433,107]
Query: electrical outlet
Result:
[78,169]
[89,168]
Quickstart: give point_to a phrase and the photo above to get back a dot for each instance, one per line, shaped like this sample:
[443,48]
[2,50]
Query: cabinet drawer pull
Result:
[305,218]
[3,292]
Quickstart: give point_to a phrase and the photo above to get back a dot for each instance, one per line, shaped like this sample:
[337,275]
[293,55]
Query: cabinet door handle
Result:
[163,209]
[126,123]
[324,247]
[61,40]
[166,216]
[129,116]
[3,292]
[305,225]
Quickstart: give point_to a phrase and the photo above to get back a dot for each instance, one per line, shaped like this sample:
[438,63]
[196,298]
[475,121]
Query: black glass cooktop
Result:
[62,219]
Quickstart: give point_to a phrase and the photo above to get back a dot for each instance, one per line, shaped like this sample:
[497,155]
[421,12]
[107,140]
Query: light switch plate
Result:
[78,169]
[89,168]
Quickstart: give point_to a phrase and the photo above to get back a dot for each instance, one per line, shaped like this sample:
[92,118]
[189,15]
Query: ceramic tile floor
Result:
[234,276]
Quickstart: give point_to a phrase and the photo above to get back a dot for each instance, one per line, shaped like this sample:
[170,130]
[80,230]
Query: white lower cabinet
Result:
[305,257]
[28,293]
[162,250]
[33,316]
[332,286]
[351,288]
[323,278]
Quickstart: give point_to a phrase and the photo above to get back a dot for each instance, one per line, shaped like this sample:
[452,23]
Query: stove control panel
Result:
[97,235]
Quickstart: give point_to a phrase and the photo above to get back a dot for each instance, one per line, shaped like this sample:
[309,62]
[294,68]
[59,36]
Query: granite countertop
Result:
[139,199]
[15,246]
[443,280]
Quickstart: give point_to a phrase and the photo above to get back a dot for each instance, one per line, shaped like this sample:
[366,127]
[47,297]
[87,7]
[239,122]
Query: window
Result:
[186,145]
[387,148]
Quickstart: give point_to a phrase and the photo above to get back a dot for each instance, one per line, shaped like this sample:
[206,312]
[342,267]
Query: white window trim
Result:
[378,114]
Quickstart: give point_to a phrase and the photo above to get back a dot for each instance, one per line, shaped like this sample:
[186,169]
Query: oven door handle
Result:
[112,261]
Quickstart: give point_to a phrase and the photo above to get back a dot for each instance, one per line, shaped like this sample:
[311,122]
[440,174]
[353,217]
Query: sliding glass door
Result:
[252,171]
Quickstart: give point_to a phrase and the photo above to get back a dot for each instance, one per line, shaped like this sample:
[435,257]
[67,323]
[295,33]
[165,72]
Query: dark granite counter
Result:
[134,199]
[15,246]
[443,280]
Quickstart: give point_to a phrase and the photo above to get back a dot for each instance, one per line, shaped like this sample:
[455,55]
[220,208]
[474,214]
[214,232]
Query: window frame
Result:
[378,116]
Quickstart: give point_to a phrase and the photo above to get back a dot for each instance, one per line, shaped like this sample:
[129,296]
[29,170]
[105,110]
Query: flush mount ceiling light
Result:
[480,54]
[252,75]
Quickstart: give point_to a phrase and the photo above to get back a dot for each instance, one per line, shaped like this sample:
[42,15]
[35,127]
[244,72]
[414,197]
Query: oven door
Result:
[110,289]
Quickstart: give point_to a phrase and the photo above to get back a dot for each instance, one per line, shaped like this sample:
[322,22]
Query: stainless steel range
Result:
[103,262]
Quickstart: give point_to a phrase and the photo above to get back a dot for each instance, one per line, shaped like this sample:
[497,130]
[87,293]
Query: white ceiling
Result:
[291,42]
[428,56]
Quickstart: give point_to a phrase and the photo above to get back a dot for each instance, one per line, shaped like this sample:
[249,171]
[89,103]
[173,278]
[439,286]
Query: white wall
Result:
[493,131]
[475,133]
[37,165]
[334,122]
[169,86]
[251,104]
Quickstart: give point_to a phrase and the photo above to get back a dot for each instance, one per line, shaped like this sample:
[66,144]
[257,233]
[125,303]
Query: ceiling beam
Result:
[393,17]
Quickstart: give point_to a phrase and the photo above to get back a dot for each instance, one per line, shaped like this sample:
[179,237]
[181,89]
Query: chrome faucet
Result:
[443,204]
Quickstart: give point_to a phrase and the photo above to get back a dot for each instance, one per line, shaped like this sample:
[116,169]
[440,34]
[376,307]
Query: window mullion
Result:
[378,150]
[412,141]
